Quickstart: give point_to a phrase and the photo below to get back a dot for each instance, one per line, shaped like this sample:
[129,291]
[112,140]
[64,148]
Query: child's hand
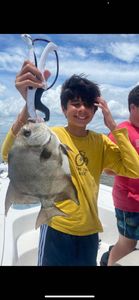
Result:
[29,76]
[108,119]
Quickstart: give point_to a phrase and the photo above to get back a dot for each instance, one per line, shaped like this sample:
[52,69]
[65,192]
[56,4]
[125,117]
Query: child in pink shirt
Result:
[126,190]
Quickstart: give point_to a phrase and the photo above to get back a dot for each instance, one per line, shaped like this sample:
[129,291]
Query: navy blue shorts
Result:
[128,223]
[60,249]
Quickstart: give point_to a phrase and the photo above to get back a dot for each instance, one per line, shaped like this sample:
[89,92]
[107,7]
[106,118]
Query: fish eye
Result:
[26,132]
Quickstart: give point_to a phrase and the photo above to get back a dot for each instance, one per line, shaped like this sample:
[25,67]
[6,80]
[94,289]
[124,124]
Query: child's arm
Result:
[11,135]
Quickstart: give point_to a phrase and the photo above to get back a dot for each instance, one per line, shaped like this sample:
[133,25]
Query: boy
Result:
[126,190]
[73,241]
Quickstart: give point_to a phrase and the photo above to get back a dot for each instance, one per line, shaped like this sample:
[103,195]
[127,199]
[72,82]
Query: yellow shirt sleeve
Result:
[7,144]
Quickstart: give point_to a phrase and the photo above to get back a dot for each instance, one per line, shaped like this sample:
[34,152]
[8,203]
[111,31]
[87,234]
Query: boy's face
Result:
[134,112]
[78,113]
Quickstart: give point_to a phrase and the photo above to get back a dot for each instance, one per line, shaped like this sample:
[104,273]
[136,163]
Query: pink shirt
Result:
[126,190]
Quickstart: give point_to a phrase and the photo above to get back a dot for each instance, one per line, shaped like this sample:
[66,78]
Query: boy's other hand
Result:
[108,119]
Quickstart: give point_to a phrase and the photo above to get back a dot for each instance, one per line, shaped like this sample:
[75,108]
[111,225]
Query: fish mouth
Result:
[35,120]
[31,120]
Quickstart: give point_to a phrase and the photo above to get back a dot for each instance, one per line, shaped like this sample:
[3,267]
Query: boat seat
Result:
[27,248]
[131,259]
[21,235]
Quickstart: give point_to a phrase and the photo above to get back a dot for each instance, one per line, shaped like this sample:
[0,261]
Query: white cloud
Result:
[2,89]
[124,51]
[10,106]
[101,71]
[127,35]
[80,51]
[51,98]
[96,51]
[118,110]
[10,62]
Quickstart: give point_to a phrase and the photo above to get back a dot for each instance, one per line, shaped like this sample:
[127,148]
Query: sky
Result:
[110,60]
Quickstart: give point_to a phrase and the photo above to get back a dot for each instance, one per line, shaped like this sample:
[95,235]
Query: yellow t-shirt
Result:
[88,157]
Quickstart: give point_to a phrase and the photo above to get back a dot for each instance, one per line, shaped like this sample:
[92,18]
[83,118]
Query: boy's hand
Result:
[108,119]
[29,76]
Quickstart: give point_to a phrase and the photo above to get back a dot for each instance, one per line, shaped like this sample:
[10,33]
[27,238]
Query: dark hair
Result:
[77,86]
[133,96]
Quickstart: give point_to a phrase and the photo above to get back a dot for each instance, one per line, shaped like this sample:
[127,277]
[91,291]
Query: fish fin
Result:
[10,197]
[71,191]
[65,148]
[45,215]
